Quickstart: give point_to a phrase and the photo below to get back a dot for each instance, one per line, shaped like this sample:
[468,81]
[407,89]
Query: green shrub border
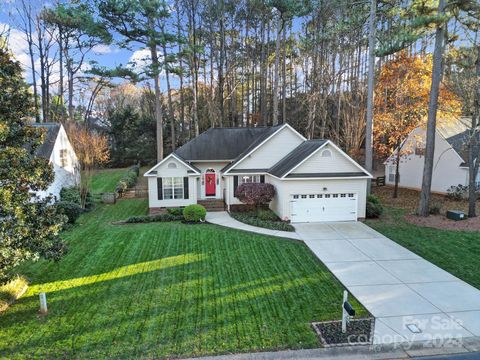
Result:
[251,219]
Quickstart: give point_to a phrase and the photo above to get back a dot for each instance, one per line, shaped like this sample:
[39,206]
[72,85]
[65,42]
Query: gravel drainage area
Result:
[359,332]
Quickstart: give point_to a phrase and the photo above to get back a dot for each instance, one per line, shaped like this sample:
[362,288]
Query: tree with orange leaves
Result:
[401,104]
[92,151]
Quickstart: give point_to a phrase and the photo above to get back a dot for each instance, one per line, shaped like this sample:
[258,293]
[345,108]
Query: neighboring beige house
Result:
[314,179]
[450,167]
[58,150]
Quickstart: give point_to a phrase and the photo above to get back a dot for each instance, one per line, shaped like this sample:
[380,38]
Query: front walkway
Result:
[401,289]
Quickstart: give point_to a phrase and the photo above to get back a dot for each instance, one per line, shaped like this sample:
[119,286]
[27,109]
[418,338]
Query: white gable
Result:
[273,150]
[320,162]
[170,166]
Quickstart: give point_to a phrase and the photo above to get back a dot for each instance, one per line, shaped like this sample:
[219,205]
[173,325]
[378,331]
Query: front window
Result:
[63,157]
[391,173]
[250,179]
[173,188]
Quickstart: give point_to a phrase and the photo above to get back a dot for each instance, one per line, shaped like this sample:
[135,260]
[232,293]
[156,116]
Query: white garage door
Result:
[324,207]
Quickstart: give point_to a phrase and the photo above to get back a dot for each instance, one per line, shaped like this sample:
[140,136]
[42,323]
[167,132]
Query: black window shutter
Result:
[262,178]
[159,189]
[185,187]
[235,184]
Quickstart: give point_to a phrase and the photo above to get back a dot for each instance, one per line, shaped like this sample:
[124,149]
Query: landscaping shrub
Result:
[255,193]
[252,218]
[267,214]
[154,218]
[70,209]
[72,194]
[128,180]
[458,192]
[374,207]
[175,211]
[194,213]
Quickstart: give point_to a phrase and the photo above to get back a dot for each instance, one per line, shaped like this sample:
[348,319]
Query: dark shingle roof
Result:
[295,157]
[45,150]
[223,143]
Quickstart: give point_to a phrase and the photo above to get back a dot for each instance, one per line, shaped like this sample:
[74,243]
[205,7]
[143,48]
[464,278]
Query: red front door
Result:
[210,184]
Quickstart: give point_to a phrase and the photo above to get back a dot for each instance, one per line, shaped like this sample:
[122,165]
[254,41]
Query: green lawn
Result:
[168,290]
[104,180]
[455,251]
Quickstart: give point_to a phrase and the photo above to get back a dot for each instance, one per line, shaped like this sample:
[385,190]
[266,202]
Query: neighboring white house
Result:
[314,179]
[58,150]
[450,167]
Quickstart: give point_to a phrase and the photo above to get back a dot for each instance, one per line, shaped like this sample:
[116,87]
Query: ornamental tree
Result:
[256,194]
[29,226]
[401,104]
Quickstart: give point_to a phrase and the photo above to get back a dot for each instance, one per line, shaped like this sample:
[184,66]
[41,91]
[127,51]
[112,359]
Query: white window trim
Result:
[63,156]
[255,179]
[172,187]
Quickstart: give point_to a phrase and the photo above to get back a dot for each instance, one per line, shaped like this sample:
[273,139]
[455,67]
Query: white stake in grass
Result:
[43,303]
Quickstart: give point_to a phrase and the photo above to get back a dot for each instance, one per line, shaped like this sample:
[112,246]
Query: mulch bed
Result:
[441,222]
[359,332]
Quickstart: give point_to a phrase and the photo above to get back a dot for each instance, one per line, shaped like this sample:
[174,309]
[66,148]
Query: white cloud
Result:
[103,49]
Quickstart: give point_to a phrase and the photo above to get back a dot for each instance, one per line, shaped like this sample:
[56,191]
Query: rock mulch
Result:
[359,332]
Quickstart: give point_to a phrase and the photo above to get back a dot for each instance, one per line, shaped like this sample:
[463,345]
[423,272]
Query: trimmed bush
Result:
[194,213]
[70,209]
[175,211]
[153,218]
[255,193]
[374,207]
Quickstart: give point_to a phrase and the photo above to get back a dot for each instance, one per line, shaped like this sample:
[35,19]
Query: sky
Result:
[108,56]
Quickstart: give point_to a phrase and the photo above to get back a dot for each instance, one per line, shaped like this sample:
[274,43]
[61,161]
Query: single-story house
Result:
[58,150]
[450,165]
[314,179]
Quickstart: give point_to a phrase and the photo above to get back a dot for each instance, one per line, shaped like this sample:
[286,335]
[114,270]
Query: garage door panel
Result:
[324,207]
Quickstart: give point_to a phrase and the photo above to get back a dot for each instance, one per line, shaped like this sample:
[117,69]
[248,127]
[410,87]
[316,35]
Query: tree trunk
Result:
[60,59]
[473,150]
[171,114]
[284,76]
[371,75]
[70,89]
[397,170]
[221,64]
[158,103]
[263,75]
[276,72]
[437,70]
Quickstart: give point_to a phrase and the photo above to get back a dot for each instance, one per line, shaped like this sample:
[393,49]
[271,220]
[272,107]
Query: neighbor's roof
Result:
[224,143]
[457,135]
[295,157]
[45,150]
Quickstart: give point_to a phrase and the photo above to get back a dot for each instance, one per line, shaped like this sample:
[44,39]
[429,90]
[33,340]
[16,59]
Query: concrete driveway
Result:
[401,289]
[397,286]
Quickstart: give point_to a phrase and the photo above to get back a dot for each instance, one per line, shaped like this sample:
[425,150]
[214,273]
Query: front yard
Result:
[455,251]
[168,290]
